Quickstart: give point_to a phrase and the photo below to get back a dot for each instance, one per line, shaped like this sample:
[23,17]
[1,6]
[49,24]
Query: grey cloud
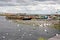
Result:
[49,0]
[45,0]
[40,0]
[5,0]
[7,5]
[24,2]
[57,1]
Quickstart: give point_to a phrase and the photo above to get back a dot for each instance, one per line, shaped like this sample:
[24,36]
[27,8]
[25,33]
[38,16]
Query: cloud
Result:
[27,2]
[51,8]
[29,6]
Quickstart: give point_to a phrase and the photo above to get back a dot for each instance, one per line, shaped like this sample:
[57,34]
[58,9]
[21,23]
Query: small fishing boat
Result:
[19,17]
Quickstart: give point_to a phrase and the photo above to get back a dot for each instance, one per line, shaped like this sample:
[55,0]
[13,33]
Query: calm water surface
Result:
[13,31]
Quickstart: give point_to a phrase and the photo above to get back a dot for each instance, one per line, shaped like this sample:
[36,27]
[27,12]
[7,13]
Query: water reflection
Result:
[14,31]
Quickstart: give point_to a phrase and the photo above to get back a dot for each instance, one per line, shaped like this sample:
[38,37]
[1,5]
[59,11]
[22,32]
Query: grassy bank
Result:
[56,26]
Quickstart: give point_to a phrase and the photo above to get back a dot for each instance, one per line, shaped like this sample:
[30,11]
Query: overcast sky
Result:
[30,6]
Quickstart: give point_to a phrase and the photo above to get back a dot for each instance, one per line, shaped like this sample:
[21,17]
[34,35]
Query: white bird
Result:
[3,36]
[45,24]
[57,35]
[6,33]
[30,34]
[41,25]
[45,30]
[33,24]
[18,25]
